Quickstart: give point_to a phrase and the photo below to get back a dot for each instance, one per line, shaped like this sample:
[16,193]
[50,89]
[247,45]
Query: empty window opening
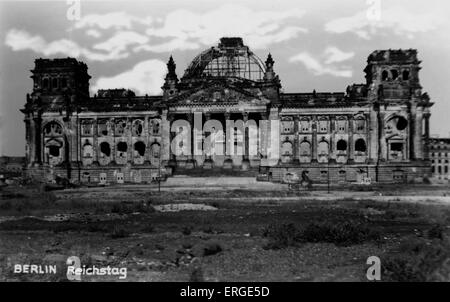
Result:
[398,147]
[45,83]
[360,145]
[122,147]
[394,73]
[53,150]
[63,82]
[105,149]
[55,83]
[102,128]
[405,75]
[384,75]
[341,145]
[402,123]
[140,148]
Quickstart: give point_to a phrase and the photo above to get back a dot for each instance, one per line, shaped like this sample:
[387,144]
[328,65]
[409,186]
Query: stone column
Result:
[95,145]
[351,146]
[37,139]
[263,126]
[383,144]
[426,140]
[418,139]
[314,139]
[246,136]
[296,143]
[372,125]
[229,144]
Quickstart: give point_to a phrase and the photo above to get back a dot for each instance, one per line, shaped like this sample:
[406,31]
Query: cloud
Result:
[174,44]
[258,28]
[330,55]
[397,19]
[178,30]
[146,77]
[115,20]
[93,33]
[22,40]
[118,44]
[335,55]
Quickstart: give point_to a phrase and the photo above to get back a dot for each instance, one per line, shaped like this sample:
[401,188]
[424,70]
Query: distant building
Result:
[440,157]
[13,164]
[377,129]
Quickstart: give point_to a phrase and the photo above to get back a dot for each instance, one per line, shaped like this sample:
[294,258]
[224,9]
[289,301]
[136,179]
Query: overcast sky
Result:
[321,45]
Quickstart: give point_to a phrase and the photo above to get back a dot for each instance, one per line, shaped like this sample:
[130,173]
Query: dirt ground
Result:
[223,230]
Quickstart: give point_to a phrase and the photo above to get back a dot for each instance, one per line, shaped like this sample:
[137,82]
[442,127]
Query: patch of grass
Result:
[197,275]
[281,235]
[436,231]
[148,228]
[6,205]
[341,233]
[187,230]
[119,232]
[96,227]
[418,260]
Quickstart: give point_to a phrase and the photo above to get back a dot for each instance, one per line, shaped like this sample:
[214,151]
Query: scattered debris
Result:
[176,207]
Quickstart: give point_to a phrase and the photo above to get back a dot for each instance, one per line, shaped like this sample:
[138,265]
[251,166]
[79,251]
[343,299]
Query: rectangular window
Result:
[397,147]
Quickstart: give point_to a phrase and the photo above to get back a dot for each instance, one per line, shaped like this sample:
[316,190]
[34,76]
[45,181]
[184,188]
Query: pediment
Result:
[220,93]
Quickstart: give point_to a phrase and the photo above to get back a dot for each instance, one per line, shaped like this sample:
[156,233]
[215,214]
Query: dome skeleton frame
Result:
[238,62]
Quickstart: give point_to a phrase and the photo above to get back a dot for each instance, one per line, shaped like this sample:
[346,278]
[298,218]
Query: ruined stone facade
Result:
[378,129]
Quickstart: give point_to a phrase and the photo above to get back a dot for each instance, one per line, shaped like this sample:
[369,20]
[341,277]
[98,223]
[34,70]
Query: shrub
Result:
[342,233]
[418,260]
[6,205]
[128,208]
[197,275]
[208,248]
[436,232]
[119,232]
[187,230]
[281,235]
[148,228]
[96,227]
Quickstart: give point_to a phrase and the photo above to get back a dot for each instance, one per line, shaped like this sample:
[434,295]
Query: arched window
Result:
[322,148]
[87,149]
[402,123]
[384,75]
[54,83]
[405,75]
[53,129]
[121,125]
[102,127]
[341,145]
[63,82]
[286,149]
[105,149]
[155,150]
[53,150]
[360,145]
[138,128]
[139,147]
[394,74]
[305,148]
[45,83]
[122,147]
